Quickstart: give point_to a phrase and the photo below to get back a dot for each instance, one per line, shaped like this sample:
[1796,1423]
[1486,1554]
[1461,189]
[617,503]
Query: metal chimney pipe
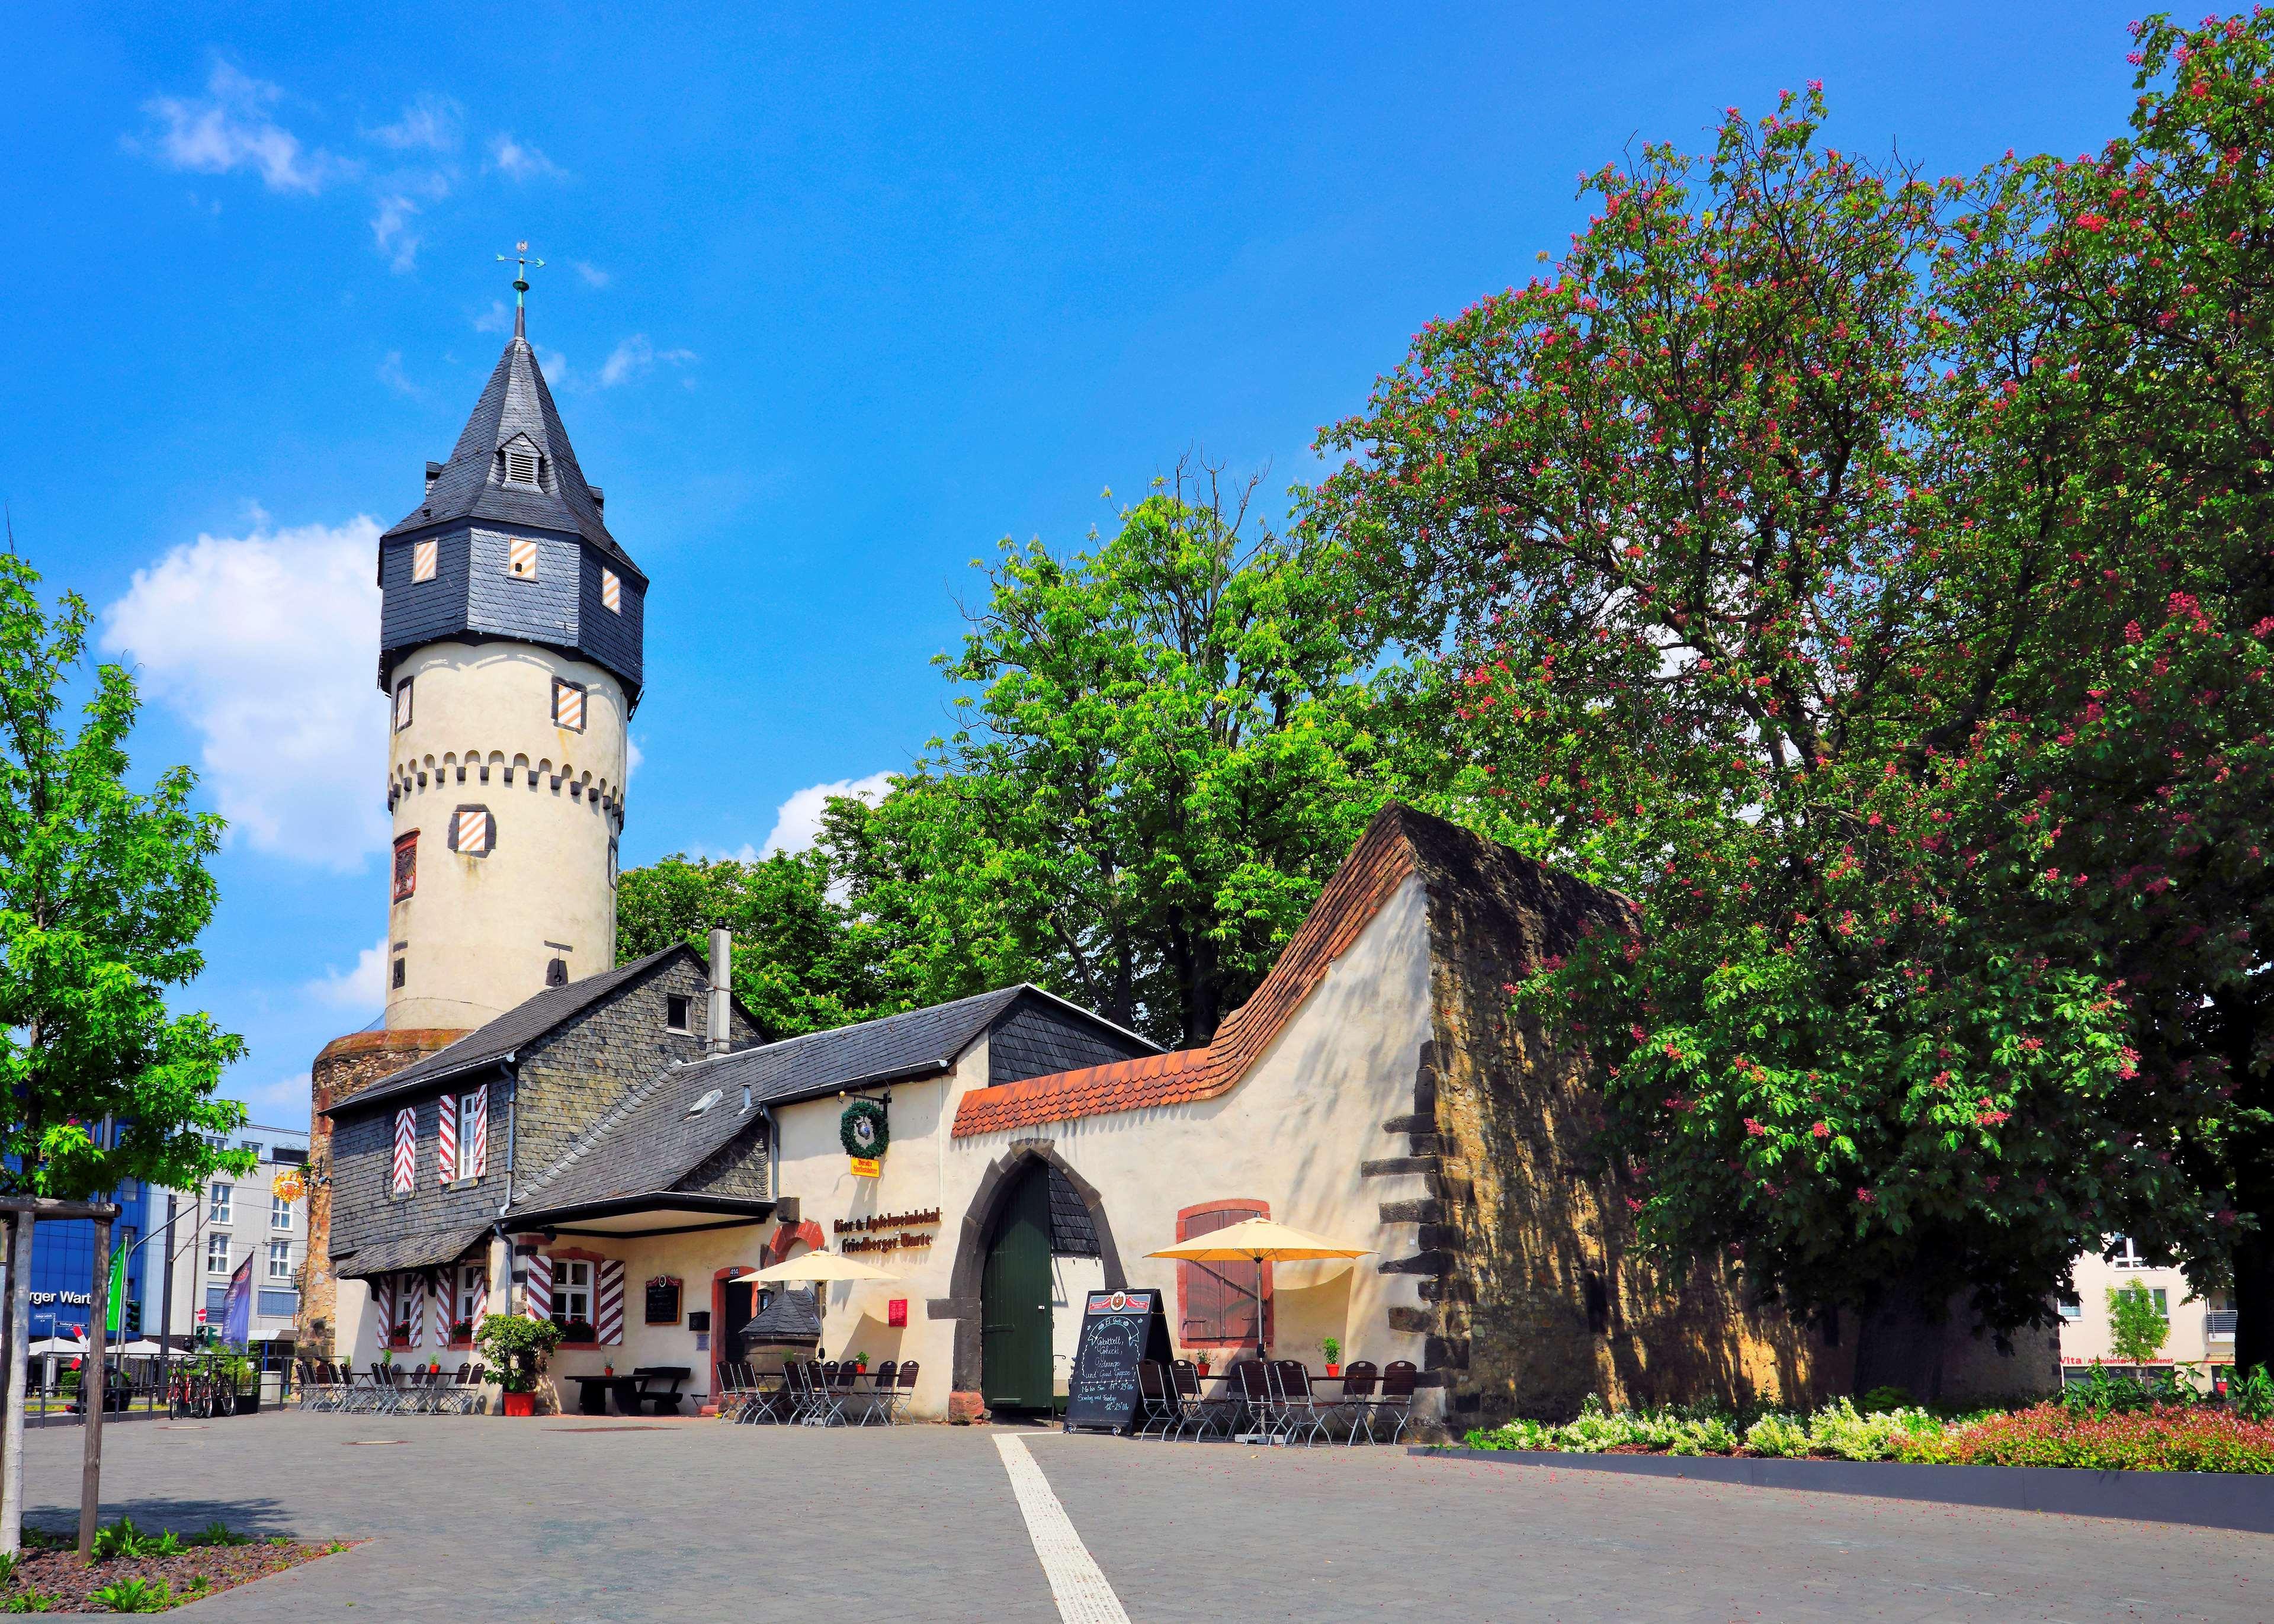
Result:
[719,1034]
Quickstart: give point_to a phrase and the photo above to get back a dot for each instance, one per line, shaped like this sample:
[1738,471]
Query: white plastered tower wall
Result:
[476,935]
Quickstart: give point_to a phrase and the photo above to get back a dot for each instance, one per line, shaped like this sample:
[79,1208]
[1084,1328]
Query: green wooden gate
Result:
[1015,1300]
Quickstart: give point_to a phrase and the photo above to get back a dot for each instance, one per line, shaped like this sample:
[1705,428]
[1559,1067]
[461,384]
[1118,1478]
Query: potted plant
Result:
[1332,1347]
[608,1368]
[516,1347]
[463,1331]
[1202,1359]
[579,1331]
[861,1362]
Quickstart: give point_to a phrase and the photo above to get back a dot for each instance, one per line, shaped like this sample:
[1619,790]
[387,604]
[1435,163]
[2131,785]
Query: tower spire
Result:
[522,262]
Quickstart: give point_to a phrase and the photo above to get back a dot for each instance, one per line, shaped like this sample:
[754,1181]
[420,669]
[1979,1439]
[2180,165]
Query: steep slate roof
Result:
[918,1043]
[649,1143]
[519,1026]
[411,1251]
[792,1317]
[514,402]
[644,1147]
[1474,886]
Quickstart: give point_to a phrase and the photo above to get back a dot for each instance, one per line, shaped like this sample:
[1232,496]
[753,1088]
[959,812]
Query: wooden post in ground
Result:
[94,1395]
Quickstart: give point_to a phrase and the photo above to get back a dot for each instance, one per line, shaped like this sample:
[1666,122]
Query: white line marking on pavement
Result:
[1081,1591]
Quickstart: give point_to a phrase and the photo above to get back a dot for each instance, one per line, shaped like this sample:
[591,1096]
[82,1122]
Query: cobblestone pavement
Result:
[560,1521]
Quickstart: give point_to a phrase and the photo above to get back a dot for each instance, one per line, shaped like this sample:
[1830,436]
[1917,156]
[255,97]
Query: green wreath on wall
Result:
[861,1129]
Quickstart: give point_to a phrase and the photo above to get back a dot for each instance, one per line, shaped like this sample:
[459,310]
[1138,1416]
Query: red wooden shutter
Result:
[406,1150]
[1217,1300]
[608,1301]
[445,1140]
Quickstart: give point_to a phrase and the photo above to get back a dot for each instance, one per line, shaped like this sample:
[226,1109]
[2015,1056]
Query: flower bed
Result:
[135,1571]
[2160,1438]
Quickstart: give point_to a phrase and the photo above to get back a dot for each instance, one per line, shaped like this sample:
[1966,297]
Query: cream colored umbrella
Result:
[1259,1241]
[813,1265]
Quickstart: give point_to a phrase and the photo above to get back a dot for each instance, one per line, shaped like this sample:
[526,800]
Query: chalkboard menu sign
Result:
[663,1301]
[1119,1328]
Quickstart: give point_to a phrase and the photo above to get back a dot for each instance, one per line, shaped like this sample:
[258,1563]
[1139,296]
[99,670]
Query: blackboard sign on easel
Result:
[1119,1328]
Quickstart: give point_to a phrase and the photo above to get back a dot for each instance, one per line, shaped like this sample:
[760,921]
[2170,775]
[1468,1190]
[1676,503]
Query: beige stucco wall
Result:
[1293,1133]
[476,933]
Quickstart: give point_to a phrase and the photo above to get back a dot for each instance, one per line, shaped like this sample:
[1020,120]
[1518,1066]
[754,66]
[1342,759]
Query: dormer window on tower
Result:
[520,463]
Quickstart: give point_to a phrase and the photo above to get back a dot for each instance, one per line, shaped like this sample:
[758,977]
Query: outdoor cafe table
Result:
[1228,1394]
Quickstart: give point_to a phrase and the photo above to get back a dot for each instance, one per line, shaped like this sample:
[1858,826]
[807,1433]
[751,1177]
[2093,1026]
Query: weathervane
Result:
[522,262]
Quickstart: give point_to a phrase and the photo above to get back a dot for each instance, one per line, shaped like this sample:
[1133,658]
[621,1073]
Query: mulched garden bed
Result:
[50,1569]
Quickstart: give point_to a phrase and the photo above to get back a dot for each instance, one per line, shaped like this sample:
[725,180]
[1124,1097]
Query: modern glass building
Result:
[63,1268]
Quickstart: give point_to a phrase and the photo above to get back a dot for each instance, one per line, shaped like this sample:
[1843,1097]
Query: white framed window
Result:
[473,1291]
[424,555]
[217,1209]
[2126,1255]
[568,705]
[280,1259]
[2162,1301]
[521,558]
[472,1109]
[2072,1308]
[612,591]
[402,704]
[216,1254]
[280,1213]
[572,1291]
[676,1009]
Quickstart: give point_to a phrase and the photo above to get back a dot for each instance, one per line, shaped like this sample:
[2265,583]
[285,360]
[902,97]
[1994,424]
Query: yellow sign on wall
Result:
[867,1167]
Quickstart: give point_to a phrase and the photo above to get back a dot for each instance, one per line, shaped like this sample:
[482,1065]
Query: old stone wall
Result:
[1538,1294]
[347,1066]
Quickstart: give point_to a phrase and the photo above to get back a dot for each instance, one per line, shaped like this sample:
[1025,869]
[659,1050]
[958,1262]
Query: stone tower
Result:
[510,646]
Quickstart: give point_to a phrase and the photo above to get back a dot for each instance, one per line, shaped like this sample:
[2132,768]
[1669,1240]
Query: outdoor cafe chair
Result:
[1251,1391]
[1157,1410]
[386,1397]
[825,1404]
[1196,1411]
[1297,1403]
[903,1392]
[797,1388]
[847,1387]
[879,1396]
[1361,1377]
[1399,1378]
[733,1389]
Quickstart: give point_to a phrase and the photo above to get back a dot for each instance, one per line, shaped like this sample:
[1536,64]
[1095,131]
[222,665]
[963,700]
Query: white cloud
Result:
[633,757]
[391,374]
[391,228]
[231,129]
[430,121]
[519,161]
[360,990]
[635,357]
[283,1103]
[497,318]
[797,822]
[264,644]
[593,275]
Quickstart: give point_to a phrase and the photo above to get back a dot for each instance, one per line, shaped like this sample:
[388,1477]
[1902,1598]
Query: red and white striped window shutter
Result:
[476,1134]
[442,1301]
[406,1150]
[414,1308]
[473,832]
[608,1302]
[446,1138]
[568,704]
[424,556]
[520,558]
[541,1286]
[383,1299]
[611,593]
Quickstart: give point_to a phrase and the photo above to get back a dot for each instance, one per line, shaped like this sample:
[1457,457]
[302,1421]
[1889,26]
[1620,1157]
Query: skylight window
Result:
[706,1101]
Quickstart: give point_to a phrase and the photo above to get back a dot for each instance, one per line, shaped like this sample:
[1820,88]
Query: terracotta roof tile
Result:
[1380,862]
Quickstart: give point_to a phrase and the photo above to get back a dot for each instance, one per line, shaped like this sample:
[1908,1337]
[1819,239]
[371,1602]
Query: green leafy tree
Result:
[2136,1327]
[1691,543]
[1166,749]
[103,894]
[801,962]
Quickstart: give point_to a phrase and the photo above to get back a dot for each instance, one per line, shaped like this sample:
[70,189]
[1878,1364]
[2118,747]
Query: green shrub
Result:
[1838,1430]
[1881,1398]
[216,1533]
[30,1601]
[1779,1435]
[134,1595]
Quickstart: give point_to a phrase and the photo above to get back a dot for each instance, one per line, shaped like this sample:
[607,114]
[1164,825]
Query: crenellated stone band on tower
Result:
[510,649]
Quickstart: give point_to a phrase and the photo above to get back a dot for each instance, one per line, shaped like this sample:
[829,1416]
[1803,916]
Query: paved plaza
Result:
[575,1519]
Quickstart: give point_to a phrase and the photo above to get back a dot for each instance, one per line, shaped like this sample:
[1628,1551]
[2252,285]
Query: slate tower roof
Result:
[513,477]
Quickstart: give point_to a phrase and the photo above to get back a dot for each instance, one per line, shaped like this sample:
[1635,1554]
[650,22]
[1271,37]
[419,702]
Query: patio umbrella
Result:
[141,1345]
[57,1345]
[813,1265]
[1259,1241]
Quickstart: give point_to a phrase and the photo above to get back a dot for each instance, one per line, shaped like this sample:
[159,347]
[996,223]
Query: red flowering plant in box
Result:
[2194,1439]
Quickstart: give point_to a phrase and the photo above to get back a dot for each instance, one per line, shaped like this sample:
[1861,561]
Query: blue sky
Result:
[834,300]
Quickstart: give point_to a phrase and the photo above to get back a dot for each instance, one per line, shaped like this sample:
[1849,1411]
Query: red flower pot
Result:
[521,1403]
[1333,1370]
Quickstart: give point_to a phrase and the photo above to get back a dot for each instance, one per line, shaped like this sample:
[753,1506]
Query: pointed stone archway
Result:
[995,1185]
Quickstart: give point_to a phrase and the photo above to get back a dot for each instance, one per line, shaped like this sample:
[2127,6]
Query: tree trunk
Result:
[11,1433]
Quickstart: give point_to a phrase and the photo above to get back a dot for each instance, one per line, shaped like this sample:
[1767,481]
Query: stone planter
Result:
[521,1403]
